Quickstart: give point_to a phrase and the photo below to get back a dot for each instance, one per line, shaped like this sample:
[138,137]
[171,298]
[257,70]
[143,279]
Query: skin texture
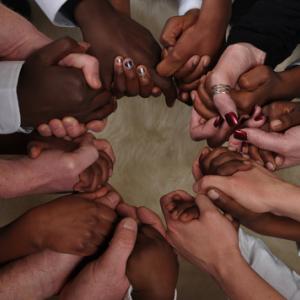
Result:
[212,22]
[152,267]
[219,254]
[71,224]
[78,100]
[42,275]
[106,45]
[106,275]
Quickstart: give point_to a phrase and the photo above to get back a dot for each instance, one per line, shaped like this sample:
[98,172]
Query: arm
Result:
[272,26]
[19,38]
[237,280]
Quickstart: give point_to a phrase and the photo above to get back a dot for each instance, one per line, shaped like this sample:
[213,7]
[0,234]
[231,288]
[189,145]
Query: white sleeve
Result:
[52,10]
[10,119]
[186,5]
[128,295]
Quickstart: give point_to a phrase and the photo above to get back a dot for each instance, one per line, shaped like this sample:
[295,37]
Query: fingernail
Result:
[195,60]
[193,96]
[240,135]
[232,119]
[279,161]
[276,124]
[119,60]
[141,71]
[218,122]
[206,62]
[213,195]
[259,117]
[270,166]
[130,224]
[128,63]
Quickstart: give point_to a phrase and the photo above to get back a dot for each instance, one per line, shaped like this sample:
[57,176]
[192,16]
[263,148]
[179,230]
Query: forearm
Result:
[237,280]
[20,177]
[19,38]
[271,225]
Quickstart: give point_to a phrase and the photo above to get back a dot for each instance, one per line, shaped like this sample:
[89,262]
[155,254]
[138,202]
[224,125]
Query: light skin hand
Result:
[219,254]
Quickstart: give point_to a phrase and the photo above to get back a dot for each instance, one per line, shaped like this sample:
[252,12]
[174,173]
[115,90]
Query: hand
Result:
[43,94]
[235,61]
[93,176]
[159,282]
[75,224]
[213,231]
[204,37]
[106,276]
[107,45]
[132,81]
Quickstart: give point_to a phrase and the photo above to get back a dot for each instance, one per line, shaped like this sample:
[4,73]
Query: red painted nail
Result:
[240,135]
[232,119]
[218,122]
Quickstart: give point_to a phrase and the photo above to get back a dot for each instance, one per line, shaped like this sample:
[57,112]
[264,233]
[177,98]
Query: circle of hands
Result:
[262,136]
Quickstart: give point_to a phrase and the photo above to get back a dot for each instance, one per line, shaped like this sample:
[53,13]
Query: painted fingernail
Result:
[141,71]
[270,166]
[276,124]
[240,135]
[218,122]
[129,64]
[259,117]
[213,195]
[232,119]
[119,60]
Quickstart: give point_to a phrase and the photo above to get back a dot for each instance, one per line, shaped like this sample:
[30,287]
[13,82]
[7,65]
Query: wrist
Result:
[87,11]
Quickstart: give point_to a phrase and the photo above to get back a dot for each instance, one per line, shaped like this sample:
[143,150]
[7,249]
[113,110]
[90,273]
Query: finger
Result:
[126,210]
[73,127]
[145,81]
[271,141]
[131,78]
[103,112]
[205,163]
[57,128]
[269,159]
[57,50]
[196,170]
[121,246]
[89,66]
[232,167]
[180,207]
[44,130]
[199,70]
[254,153]
[167,86]
[191,213]
[97,126]
[188,67]
[105,146]
[170,33]
[200,107]
[147,216]
[204,204]
[119,85]
[285,121]
[205,96]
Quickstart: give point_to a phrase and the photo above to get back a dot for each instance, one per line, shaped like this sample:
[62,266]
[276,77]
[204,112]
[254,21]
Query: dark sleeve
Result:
[270,25]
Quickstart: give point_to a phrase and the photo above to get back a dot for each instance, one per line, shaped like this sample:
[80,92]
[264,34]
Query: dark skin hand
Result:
[205,37]
[72,224]
[120,36]
[152,267]
[265,223]
[47,91]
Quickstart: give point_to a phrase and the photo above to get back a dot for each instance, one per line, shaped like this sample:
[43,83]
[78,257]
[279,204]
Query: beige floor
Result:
[154,154]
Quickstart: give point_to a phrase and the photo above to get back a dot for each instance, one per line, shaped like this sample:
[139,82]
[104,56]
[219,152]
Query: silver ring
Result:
[220,89]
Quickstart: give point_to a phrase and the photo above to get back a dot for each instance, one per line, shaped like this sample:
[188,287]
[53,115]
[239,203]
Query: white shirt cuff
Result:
[10,119]
[186,5]
[52,10]
[128,295]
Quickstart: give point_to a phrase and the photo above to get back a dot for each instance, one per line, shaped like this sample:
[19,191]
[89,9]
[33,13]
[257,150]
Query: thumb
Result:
[271,141]
[172,62]
[170,33]
[204,204]
[121,245]
[285,121]
[83,157]
[57,50]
